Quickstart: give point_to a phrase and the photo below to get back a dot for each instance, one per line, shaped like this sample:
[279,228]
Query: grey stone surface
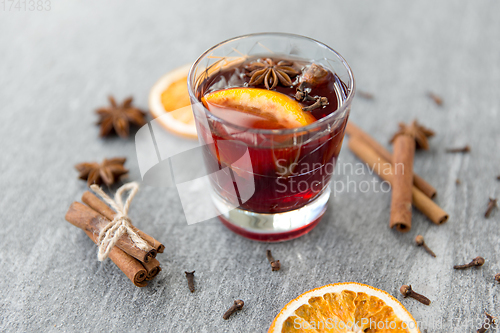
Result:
[57,66]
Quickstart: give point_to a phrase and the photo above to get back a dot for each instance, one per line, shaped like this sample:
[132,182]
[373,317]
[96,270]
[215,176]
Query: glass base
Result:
[272,227]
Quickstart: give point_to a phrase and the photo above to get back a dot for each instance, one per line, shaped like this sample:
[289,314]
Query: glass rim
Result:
[329,118]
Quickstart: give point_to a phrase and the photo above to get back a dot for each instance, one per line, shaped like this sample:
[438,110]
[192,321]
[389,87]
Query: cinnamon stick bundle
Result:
[131,267]
[102,208]
[354,131]
[383,168]
[88,219]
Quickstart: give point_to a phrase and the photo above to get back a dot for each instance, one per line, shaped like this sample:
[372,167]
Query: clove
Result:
[275,264]
[365,95]
[320,102]
[420,242]
[491,205]
[477,261]
[488,322]
[190,278]
[458,181]
[437,99]
[464,149]
[406,291]
[238,305]
[302,93]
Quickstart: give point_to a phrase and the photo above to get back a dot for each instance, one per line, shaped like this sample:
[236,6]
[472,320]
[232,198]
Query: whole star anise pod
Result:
[108,172]
[271,73]
[419,132]
[118,118]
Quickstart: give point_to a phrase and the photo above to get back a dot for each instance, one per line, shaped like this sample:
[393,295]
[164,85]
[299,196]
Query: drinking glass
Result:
[270,184]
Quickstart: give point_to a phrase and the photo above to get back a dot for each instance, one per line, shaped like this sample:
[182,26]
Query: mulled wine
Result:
[286,175]
[284,117]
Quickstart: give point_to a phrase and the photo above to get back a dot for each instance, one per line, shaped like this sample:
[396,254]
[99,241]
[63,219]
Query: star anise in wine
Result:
[271,73]
[107,172]
[419,132]
[118,118]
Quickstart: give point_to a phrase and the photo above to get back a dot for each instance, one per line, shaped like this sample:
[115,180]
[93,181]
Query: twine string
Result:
[121,224]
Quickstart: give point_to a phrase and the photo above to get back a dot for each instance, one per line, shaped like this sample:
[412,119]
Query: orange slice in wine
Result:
[344,307]
[267,105]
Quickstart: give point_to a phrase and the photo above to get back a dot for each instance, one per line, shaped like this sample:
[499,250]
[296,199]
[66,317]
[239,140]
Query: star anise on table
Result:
[107,172]
[118,118]
[271,73]
[419,132]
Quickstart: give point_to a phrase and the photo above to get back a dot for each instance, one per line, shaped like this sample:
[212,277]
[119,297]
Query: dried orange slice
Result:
[344,307]
[266,104]
[169,103]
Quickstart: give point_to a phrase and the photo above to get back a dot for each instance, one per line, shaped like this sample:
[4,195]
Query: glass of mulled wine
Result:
[270,112]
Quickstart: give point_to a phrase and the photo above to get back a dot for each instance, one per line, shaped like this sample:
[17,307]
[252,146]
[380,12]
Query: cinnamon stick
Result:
[402,182]
[88,219]
[127,264]
[353,130]
[384,169]
[102,208]
[153,268]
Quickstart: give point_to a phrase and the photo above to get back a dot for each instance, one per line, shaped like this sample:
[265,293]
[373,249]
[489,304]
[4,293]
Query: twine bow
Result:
[121,224]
